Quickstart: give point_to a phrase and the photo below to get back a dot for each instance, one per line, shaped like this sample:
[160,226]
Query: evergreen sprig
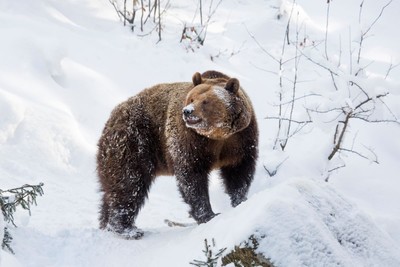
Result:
[211,259]
[7,239]
[10,199]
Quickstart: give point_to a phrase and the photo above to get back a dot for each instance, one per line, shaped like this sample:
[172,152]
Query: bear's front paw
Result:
[129,233]
[235,201]
[205,217]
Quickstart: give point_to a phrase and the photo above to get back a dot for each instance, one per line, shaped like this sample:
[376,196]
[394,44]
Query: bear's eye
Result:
[205,102]
[191,100]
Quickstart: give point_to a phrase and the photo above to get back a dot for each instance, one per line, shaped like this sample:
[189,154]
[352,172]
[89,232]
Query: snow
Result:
[66,64]
[222,94]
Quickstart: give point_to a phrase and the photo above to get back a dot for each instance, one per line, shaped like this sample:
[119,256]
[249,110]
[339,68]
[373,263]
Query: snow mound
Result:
[306,223]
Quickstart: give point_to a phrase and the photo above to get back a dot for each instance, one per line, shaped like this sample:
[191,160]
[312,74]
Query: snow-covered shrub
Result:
[342,91]
[194,35]
[145,15]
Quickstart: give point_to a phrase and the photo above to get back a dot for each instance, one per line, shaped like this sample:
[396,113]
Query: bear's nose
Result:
[188,110]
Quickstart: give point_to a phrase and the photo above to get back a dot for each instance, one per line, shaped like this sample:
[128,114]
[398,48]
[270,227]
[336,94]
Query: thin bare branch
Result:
[360,11]
[350,53]
[287,119]
[364,67]
[391,67]
[330,171]
[359,87]
[259,45]
[297,98]
[119,13]
[319,64]
[388,109]
[339,110]
[296,67]
[364,33]
[286,36]
[211,13]
[377,121]
[326,29]
[262,69]
[360,155]
[336,168]
[378,17]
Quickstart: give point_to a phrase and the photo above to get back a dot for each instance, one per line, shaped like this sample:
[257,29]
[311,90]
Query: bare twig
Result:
[211,13]
[159,21]
[378,17]
[142,15]
[391,67]
[378,121]
[296,67]
[201,12]
[319,64]
[375,160]
[286,119]
[364,33]
[297,98]
[334,169]
[286,36]
[275,170]
[326,28]
[119,13]
[350,53]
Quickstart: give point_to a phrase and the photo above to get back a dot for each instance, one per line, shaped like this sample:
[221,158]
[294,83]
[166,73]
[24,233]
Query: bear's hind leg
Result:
[125,202]
[126,167]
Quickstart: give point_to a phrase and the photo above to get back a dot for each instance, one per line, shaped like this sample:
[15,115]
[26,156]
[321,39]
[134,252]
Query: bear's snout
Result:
[188,115]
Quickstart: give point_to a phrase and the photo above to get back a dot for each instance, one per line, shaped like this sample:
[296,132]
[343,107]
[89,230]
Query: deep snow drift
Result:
[65,64]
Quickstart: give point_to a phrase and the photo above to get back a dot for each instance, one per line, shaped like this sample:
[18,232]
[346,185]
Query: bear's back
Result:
[152,103]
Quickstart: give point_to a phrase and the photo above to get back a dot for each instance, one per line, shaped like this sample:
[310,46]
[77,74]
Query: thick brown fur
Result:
[181,129]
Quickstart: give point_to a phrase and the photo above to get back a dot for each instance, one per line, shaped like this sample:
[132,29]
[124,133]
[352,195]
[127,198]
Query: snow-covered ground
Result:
[65,64]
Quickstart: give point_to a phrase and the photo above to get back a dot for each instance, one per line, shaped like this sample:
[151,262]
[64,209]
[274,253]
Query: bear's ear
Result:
[196,79]
[232,85]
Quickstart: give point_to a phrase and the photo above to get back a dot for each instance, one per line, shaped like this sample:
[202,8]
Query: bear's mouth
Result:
[191,120]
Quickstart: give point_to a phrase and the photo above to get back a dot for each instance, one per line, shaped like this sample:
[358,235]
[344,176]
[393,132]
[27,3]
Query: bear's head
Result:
[216,107]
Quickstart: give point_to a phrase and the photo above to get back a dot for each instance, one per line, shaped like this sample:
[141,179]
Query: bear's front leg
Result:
[237,180]
[193,187]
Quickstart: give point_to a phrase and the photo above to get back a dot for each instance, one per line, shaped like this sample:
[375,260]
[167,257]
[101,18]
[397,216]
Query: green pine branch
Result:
[211,259]
[10,199]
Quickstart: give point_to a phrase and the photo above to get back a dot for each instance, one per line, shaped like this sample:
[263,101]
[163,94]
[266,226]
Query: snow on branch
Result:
[347,93]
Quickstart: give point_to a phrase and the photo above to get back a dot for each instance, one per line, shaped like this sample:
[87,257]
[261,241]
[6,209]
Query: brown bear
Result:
[182,129]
